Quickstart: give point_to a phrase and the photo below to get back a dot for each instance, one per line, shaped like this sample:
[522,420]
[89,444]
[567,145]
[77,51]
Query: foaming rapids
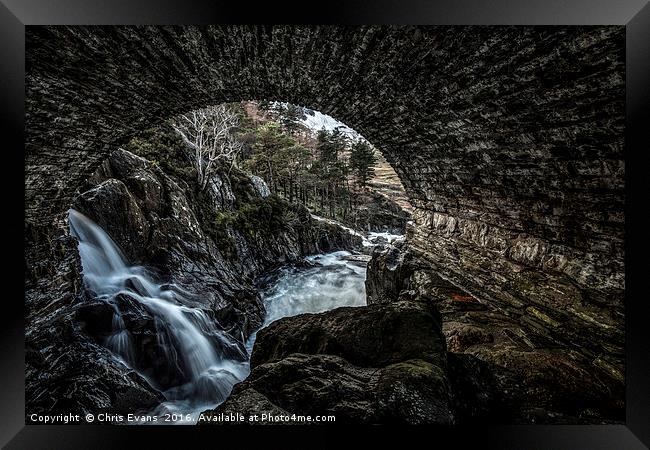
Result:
[191,341]
[333,280]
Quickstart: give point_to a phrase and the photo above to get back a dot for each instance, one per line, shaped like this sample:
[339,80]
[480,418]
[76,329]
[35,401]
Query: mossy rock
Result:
[414,392]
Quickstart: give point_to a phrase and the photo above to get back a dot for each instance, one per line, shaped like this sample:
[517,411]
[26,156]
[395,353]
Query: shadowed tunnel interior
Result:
[508,141]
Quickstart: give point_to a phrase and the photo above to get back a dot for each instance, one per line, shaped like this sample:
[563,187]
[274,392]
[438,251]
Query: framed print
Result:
[244,220]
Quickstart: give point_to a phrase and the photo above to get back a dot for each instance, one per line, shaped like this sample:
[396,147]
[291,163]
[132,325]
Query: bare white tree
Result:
[208,132]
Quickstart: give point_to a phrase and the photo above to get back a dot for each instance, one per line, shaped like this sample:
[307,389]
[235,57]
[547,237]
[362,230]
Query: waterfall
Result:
[189,337]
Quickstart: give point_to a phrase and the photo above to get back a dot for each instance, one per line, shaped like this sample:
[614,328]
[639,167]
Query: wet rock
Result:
[371,336]
[375,364]
[147,345]
[414,392]
[358,260]
[111,206]
[324,237]
[387,273]
[86,378]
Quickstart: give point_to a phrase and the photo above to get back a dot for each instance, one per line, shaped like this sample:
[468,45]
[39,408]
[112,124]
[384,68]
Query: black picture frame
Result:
[634,14]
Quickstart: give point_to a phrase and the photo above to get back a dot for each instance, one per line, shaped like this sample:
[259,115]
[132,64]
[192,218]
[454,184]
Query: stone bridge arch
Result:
[508,140]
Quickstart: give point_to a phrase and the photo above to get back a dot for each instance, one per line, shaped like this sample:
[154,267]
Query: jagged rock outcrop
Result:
[387,273]
[375,364]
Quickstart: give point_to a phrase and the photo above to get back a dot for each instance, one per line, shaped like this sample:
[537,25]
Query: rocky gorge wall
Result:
[508,140]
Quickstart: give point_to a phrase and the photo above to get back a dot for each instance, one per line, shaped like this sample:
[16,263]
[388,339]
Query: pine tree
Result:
[267,153]
[362,160]
[333,170]
[290,117]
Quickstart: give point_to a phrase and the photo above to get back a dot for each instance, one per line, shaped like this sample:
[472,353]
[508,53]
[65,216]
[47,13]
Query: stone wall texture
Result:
[508,140]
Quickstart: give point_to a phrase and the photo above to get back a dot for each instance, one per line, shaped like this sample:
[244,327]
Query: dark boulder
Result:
[388,273]
[112,207]
[409,392]
[414,392]
[375,364]
[366,336]
[308,385]
[85,378]
[478,397]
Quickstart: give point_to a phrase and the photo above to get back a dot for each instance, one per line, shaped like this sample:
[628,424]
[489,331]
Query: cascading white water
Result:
[332,282]
[370,239]
[106,274]
[375,238]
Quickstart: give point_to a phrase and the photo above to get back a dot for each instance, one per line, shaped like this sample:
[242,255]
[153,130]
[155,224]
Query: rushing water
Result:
[332,281]
[187,334]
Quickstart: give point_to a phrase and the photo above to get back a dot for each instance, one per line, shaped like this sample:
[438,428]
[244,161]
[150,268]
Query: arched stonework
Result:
[508,140]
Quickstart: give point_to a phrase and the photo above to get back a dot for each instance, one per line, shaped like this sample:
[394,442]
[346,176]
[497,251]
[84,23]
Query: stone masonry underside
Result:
[508,140]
